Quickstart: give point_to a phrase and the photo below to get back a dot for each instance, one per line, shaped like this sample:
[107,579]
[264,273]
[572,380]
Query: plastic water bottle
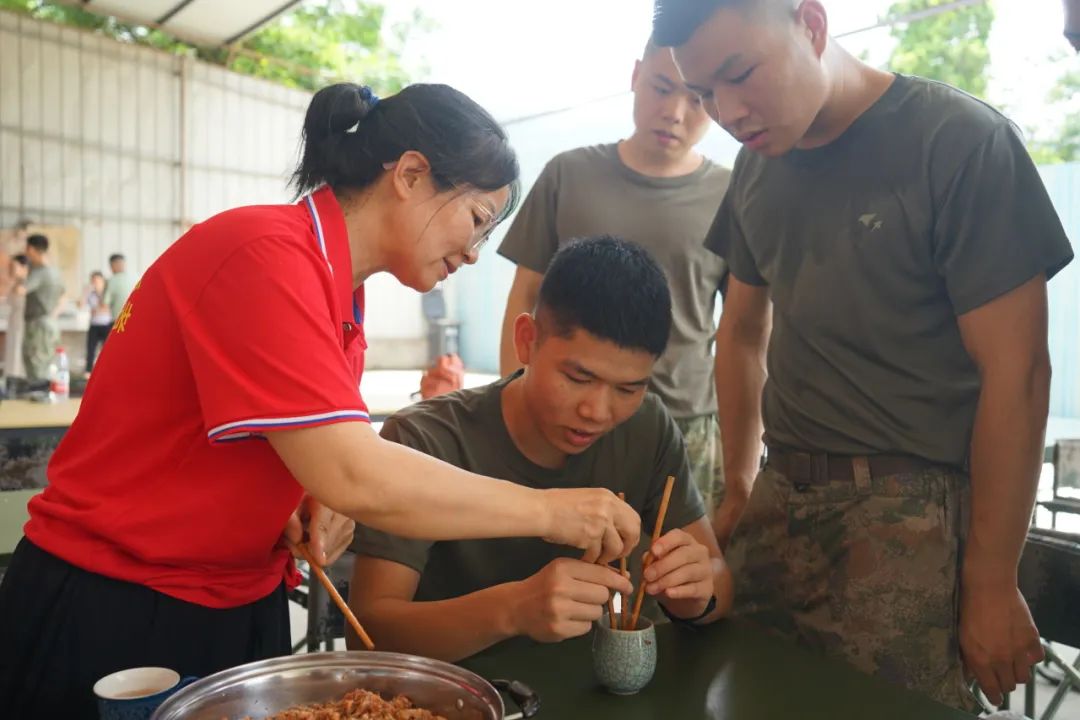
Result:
[59,377]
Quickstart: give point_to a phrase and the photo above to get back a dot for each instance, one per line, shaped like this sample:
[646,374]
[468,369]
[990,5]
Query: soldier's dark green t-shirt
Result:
[590,191]
[466,429]
[926,208]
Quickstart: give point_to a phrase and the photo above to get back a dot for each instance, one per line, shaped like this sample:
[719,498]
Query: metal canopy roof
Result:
[199,22]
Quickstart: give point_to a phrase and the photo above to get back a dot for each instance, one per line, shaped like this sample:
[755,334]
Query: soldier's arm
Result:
[1007,339]
[381,594]
[32,283]
[59,305]
[522,299]
[558,602]
[741,342]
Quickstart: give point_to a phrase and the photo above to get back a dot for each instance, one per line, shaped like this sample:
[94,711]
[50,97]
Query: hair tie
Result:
[371,99]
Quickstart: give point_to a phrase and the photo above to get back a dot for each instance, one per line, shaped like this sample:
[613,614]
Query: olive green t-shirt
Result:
[466,429]
[926,208]
[44,286]
[117,291]
[590,191]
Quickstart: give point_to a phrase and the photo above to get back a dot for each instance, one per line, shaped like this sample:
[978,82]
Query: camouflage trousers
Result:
[706,454]
[864,571]
[40,338]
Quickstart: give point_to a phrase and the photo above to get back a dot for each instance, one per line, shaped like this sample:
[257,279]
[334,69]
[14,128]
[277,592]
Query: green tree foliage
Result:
[318,42]
[950,46]
[1063,102]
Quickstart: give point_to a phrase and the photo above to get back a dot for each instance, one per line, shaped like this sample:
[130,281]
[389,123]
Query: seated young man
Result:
[577,415]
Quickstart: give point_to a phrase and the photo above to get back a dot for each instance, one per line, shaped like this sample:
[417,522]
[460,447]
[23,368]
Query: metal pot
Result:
[265,687]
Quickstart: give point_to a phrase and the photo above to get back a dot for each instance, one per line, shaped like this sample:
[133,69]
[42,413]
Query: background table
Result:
[29,432]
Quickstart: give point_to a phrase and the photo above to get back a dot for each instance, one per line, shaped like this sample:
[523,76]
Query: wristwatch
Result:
[690,622]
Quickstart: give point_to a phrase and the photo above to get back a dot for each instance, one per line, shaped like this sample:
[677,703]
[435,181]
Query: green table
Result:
[729,671]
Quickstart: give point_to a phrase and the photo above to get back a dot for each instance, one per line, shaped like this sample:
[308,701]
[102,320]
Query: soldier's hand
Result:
[680,573]
[562,600]
[998,638]
[446,375]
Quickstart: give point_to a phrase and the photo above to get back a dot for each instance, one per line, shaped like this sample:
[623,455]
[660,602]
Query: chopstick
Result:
[647,557]
[623,603]
[624,573]
[611,598]
[302,548]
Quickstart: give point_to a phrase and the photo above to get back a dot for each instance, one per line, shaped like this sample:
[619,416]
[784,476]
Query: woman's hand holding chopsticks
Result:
[594,520]
[326,533]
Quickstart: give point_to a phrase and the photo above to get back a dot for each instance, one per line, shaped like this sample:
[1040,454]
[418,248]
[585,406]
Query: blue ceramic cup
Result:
[135,694]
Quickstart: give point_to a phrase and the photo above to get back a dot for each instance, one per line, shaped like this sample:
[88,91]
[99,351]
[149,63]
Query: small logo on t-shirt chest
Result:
[870,221]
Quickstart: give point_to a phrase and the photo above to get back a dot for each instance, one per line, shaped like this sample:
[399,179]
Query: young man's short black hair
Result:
[675,21]
[116,257]
[612,289]
[38,242]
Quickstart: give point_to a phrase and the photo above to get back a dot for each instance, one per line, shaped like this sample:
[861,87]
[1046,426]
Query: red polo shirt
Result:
[247,324]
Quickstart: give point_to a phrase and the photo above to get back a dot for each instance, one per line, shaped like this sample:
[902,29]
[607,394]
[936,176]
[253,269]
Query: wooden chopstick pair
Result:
[630,620]
[316,568]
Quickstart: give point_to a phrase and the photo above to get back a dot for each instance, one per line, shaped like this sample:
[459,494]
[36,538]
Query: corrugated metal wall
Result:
[89,137]
[93,133]
[131,145]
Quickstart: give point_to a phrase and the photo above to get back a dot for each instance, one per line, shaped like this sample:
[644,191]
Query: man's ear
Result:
[526,337]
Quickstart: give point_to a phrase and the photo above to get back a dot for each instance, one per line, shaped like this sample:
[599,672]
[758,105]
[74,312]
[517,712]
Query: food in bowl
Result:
[357,705]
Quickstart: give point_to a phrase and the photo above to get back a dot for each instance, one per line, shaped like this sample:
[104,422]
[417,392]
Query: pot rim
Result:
[469,681]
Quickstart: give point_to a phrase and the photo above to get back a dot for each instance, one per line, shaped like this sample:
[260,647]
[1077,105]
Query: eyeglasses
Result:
[482,231]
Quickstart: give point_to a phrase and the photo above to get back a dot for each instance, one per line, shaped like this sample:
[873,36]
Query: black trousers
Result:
[62,628]
[95,337]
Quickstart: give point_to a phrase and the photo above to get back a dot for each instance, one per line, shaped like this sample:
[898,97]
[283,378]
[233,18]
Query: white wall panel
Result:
[10,71]
[29,61]
[31,168]
[47,50]
[71,93]
[127,96]
[91,111]
[11,191]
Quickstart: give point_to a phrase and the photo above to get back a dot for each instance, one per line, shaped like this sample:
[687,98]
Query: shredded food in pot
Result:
[357,705]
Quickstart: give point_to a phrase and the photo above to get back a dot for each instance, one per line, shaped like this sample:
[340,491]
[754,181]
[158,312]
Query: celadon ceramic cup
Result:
[624,660]
[135,694]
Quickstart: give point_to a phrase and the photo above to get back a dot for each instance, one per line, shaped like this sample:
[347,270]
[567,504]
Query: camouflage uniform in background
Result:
[40,338]
[44,288]
[865,571]
[706,454]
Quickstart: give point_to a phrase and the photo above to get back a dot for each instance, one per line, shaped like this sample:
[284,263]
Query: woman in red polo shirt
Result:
[227,396]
